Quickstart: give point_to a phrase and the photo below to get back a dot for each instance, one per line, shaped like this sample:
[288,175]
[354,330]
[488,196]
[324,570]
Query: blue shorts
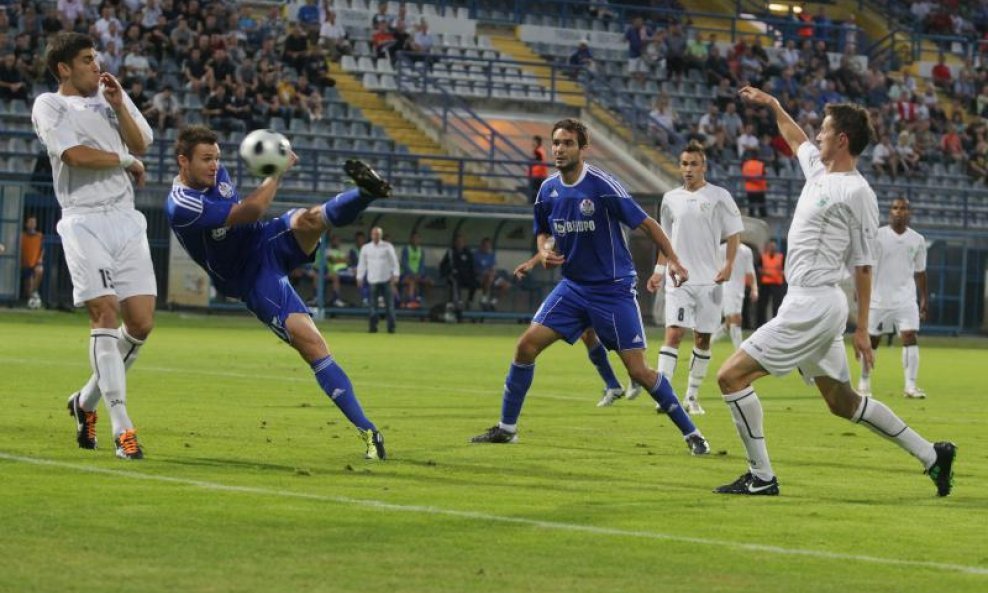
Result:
[610,309]
[269,294]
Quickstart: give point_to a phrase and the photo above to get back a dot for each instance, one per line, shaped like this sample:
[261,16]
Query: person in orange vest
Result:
[537,171]
[32,254]
[772,280]
[755,185]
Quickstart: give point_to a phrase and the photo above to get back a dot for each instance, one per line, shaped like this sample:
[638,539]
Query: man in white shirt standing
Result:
[697,217]
[742,274]
[91,130]
[379,262]
[834,226]
[900,270]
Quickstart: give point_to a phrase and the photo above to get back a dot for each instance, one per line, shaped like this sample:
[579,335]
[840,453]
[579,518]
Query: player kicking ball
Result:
[249,258]
[580,216]
[835,225]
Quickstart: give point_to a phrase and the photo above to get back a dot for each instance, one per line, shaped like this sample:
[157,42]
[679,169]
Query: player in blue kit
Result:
[580,217]
[249,258]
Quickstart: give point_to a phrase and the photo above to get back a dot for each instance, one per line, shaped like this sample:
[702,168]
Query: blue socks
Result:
[515,388]
[664,395]
[598,356]
[337,386]
[346,207]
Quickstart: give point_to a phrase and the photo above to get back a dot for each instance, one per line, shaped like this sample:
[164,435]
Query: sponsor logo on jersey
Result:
[562,227]
[586,207]
[225,189]
[219,234]
[554,194]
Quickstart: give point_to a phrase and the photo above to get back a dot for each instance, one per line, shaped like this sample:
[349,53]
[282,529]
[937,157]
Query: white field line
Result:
[491,518]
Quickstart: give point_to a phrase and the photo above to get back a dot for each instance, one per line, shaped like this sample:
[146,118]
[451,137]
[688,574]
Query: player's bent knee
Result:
[139,329]
[728,379]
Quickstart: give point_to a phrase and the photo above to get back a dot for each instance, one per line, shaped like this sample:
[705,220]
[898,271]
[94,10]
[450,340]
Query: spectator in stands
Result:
[333,37]
[717,68]
[663,123]
[110,59]
[655,51]
[241,107]
[747,141]
[165,111]
[379,262]
[296,48]
[731,122]
[906,147]
[70,11]
[138,95]
[849,32]
[494,283]
[537,170]
[772,279]
[637,36]
[885,158]
[380,16]
[197,74]
[12,83]
[457,268]
[951,146]
[308,17]
[107,20]
[247,26]
[182,37]
[786,84]
[413,277]
[32,256]
[676,64]
[309,99]
[942,77]
[712,128]
[581,59]
[383,41]
[822,26]
[224,70]
[981,102]
[216,110]
[423,42]
[755,184]
[267,104]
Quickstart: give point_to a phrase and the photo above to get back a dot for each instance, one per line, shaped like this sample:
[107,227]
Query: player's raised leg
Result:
[306,339]
[598,356]
[735,378]
[531,343]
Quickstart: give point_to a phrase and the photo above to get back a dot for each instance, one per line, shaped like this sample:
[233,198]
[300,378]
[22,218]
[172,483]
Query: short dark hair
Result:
[696,148]
[190,137]
[537,138]
[574,126]
[853,121]
[63,48]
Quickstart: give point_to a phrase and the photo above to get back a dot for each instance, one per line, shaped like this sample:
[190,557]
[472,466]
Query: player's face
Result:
[84,72]
[200,170]
[829,140]
[566,151]
[692,167]
[899,214]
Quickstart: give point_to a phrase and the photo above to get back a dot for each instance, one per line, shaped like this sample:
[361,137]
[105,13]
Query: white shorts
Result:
[887,320]
[733,301]
[808,334]
[107,253]
[695,307]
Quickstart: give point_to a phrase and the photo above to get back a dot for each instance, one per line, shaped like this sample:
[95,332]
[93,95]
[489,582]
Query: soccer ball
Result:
[266,152]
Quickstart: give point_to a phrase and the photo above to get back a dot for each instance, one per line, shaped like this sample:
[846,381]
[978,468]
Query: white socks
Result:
[736,337]
[910,365]
[668,356]
[108,369]
[883,422]
[699,362]
[129,347]
[746,410]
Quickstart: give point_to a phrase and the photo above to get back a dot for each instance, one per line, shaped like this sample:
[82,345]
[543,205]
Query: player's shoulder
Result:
[48,103]
[548,186]
[915,235]
[605,183]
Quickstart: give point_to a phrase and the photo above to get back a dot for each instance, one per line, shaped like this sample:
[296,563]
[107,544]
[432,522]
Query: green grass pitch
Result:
[254,481]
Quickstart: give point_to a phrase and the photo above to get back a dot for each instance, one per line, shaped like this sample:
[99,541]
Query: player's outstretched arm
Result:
[255,206]
[135,134]
[525,267]
[790,130]
[667,254]
[548,255]
[861,340]
[724,274]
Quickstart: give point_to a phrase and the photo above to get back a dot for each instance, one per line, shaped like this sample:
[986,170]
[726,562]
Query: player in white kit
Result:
[900,270]
[697,217]
[91,130]
[742,274]
[834,226]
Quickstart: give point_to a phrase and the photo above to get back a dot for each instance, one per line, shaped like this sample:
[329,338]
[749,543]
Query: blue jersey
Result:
[198,218]
[588,221]
[484,261]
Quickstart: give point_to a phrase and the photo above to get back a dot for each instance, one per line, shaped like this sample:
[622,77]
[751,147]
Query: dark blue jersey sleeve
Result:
[190,209]
[622,204]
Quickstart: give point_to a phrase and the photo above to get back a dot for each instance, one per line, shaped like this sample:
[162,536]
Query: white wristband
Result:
[126,159]
[660,269]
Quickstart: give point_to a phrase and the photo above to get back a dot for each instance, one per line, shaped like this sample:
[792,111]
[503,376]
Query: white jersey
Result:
[62,122]
[834,226]
[696,222]
[898,259]
[744,264]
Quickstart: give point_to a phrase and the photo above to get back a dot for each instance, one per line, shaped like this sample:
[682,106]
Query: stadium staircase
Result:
[573,94]
[403,131]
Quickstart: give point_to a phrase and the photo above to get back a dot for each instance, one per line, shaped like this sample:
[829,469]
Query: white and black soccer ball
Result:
[266,152]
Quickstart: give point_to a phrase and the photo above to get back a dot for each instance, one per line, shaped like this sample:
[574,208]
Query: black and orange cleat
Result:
[127,446]
[85,423]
